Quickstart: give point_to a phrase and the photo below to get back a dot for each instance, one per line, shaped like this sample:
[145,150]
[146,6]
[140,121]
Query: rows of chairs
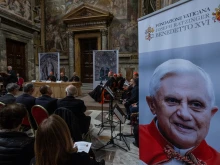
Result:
[39,113]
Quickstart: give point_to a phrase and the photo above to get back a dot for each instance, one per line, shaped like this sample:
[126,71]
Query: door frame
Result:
[77,60]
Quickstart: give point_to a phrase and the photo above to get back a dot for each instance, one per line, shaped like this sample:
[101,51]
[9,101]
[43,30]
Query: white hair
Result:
[71,90]
[176,67]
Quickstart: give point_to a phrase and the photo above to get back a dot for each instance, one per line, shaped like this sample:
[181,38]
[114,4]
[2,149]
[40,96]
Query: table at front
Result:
[58,89]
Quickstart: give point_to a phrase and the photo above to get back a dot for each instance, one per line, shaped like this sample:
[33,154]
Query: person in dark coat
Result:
[45,100]
[75,78]
[77,106]
[12,89]
[12,77]
[15,147]
[51,77]
[133,99]
[28,101]
[63,77]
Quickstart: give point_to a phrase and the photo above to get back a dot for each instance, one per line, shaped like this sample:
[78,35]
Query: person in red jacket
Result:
[182,98]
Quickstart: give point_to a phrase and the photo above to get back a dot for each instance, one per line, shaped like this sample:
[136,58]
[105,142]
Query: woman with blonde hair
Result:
[54,146]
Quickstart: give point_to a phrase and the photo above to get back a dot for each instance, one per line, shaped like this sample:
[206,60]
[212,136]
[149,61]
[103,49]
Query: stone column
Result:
[71,53]
[104,33]
[43,33]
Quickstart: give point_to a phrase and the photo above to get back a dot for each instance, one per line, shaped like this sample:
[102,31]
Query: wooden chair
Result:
[39,113]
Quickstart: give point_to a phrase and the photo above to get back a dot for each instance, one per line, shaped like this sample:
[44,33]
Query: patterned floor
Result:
[112,154]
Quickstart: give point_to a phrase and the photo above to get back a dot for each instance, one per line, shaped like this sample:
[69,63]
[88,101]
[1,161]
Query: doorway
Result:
[15,52]
[87,45]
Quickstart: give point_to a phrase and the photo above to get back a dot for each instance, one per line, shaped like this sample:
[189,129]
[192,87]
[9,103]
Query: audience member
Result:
[51,77]
[132,99]
[20,81]
[77,106]
[45,100]
[15,147]
[28,101]
[75,78]
[12,90]
[120,81]
[63,77]
[54,146]
[127,90]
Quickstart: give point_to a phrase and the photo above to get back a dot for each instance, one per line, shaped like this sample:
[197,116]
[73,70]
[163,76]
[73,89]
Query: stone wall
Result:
[123,32]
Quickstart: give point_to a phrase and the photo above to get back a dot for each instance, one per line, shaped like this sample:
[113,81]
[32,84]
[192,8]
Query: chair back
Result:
[72,122]
[39,113]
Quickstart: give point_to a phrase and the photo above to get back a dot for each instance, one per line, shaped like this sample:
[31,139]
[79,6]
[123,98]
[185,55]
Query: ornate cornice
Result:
[10,18]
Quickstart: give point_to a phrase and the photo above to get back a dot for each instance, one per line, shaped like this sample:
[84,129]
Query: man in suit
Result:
[77,106]
[45,100]
[51,77]
[63,77]
[12,90]
[28,100]
[12,78]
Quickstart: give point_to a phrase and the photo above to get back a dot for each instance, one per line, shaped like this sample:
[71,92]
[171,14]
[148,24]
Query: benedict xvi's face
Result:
[183,109]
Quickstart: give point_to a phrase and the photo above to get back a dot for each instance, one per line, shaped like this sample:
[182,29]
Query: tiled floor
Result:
[112,154]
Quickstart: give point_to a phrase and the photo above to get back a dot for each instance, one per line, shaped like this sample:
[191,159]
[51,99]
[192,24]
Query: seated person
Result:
[45,100]
[20,81]
[75,78]
[28,101]
[12,89]
[51,77]
[15,147]
[133,99]
[120,81]
[63,77]
[77,106]
[60,149]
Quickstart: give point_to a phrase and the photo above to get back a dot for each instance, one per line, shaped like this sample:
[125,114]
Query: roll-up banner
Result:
[179,98]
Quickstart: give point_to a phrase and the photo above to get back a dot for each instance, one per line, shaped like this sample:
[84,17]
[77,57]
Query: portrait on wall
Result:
[103,62]
[49,62]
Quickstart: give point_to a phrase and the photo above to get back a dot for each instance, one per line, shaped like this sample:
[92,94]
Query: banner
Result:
[49,62]
[188,30]
[103,62]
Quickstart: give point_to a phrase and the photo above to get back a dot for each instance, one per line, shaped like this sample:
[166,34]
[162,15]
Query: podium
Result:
[3,74]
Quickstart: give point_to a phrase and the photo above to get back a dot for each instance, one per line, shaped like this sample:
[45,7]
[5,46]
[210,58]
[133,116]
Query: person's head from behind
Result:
[182,98]
[11,116]
[115,75]
[53,143]
[12,88]
[71,90]
[46,90]
[29,88]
